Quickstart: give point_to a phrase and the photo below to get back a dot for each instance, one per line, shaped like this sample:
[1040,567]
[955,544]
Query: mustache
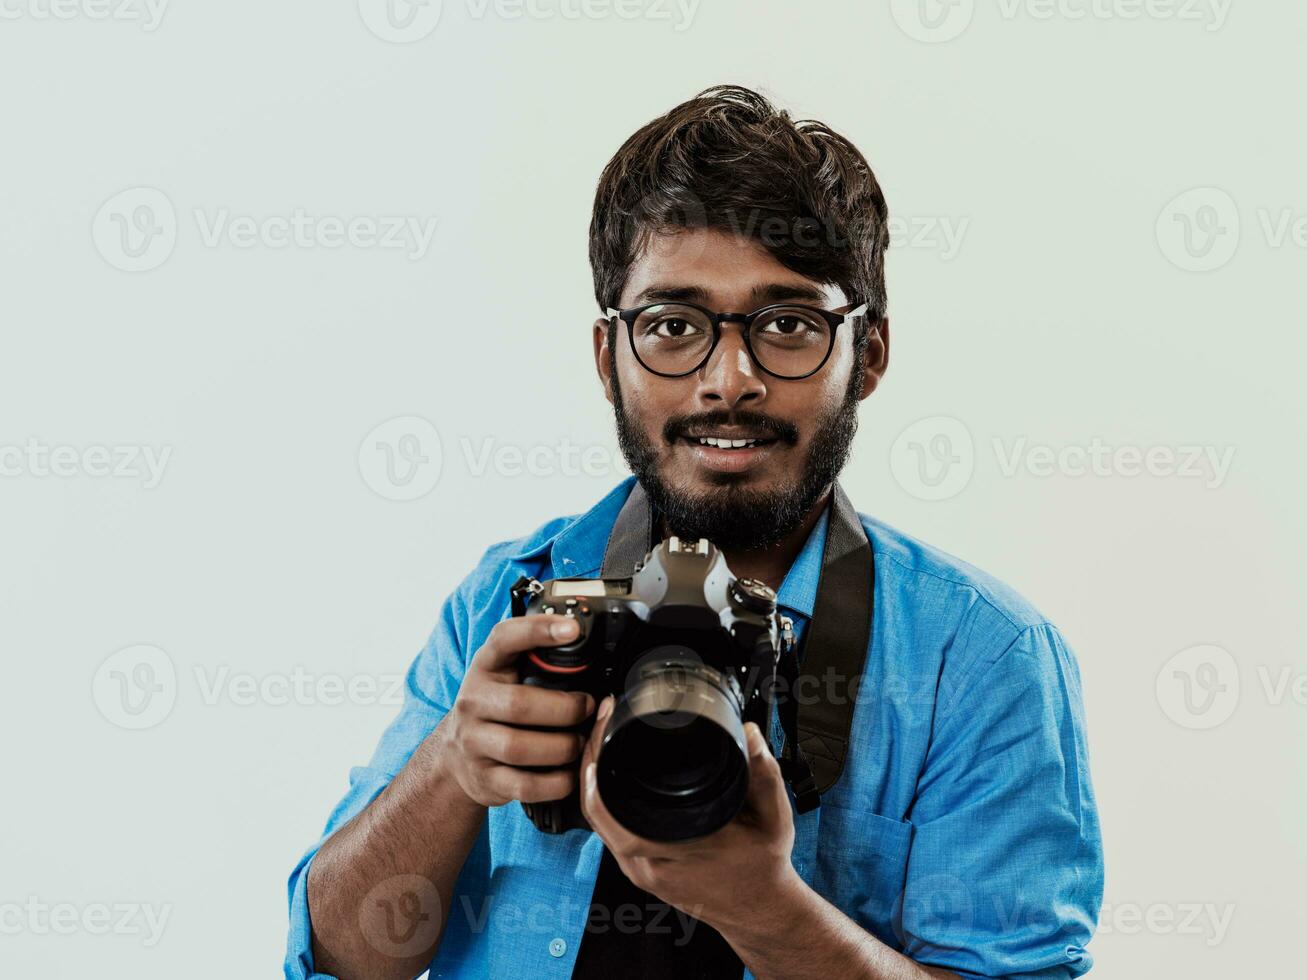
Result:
[773,428]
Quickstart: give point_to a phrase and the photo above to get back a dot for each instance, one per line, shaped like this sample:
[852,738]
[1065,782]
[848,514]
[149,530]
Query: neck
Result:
[770,564]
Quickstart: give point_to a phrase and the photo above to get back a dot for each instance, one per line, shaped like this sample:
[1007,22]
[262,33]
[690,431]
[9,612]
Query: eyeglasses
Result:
[786,341]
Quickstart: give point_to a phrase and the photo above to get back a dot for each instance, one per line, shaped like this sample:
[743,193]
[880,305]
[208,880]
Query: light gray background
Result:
[1096,246]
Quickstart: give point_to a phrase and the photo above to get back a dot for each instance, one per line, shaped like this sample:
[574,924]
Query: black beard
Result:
[732,517]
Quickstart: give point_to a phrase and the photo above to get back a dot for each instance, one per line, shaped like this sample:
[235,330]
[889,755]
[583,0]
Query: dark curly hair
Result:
[729,160]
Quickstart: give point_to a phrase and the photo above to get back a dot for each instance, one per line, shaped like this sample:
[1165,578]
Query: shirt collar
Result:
[798,592]
[577,550]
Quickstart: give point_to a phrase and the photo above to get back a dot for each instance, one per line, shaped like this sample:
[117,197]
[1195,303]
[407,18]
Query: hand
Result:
[719,879]
[479,742]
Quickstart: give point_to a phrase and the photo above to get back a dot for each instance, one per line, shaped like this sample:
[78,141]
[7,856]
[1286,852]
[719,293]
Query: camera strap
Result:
[834,645]
[632,536]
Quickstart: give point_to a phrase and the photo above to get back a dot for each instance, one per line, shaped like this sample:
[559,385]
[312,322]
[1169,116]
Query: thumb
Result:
[767,797]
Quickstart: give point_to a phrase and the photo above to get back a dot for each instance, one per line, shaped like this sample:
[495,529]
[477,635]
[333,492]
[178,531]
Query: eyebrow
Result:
[763,295]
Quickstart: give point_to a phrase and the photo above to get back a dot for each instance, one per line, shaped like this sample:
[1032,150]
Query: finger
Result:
[530,787]
[596,739]
[767,799]
[525,704]
[512,637]
[511,746]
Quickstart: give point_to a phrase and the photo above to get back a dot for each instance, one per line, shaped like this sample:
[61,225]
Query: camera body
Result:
[690,653]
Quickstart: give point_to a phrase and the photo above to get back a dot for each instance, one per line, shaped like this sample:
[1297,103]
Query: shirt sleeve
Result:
[1005,875]
[430,686]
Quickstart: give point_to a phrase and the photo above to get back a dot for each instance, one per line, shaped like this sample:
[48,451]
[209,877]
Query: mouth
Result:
[728,452]
[722,442]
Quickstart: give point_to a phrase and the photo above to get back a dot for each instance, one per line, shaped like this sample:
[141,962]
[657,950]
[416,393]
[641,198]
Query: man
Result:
[739,259]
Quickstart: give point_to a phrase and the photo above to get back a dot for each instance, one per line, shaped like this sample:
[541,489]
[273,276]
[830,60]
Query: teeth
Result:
[726,443]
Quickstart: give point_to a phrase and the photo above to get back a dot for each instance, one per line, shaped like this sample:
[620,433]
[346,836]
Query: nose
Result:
[730,377]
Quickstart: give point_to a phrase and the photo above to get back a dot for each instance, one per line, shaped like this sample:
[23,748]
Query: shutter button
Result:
[557,947]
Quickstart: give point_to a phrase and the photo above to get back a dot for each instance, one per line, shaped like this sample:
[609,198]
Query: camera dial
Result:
[754,595]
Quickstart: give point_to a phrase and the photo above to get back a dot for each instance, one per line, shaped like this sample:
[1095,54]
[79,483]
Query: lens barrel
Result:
[674,764]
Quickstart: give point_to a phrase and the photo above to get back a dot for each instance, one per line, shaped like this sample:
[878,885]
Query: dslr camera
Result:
[690,653]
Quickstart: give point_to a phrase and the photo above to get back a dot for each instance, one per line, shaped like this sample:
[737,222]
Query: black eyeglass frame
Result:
[832,319]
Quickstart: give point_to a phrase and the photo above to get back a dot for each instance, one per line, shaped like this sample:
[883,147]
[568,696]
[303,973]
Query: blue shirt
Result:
[963,831]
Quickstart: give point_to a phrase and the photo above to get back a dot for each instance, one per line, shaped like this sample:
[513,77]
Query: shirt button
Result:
[557,947]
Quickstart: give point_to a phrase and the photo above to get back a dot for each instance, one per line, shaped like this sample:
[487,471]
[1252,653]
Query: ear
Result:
[602,360]
[876,359]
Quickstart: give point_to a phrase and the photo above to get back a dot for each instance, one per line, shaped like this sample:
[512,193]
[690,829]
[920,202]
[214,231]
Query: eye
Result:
[786,325]
[674,328]
[789,325]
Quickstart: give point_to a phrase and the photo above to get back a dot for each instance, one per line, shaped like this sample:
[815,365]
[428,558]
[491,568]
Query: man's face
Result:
[801,431]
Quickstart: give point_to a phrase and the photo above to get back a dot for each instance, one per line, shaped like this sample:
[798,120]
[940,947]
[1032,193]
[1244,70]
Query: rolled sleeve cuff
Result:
[299,941]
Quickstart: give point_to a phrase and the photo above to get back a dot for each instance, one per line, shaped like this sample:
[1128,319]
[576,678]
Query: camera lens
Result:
[673,765]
